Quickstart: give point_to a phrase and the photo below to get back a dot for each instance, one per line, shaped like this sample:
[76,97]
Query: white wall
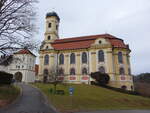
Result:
[24,63]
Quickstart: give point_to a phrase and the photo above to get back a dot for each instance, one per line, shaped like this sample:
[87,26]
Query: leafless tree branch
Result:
[17,25]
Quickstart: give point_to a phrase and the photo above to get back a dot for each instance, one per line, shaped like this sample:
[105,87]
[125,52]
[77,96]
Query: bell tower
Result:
[52,27]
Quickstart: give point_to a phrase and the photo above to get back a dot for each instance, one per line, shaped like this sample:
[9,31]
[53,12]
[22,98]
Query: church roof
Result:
[86,41]
[25,51]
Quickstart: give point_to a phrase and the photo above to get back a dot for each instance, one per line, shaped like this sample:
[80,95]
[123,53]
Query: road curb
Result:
[46,99]
[15,101]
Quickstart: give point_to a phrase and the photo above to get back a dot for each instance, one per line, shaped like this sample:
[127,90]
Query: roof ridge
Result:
[82,38]
[24,51]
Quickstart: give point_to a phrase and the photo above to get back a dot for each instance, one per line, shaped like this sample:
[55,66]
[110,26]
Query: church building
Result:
[76,58]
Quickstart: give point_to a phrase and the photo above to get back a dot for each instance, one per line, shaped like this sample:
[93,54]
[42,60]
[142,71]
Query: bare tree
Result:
[53,76]
[17,25]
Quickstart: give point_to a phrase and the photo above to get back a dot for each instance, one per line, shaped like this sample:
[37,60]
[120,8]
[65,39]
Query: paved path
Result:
[119,111]
[31,101]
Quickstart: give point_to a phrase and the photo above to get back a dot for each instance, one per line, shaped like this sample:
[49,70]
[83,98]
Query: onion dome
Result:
[50,14]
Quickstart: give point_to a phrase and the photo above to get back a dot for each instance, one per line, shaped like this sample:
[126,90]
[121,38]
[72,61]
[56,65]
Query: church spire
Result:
[52,27]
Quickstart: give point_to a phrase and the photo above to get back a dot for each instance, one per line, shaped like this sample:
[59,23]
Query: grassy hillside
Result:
[88,97]
[8,93]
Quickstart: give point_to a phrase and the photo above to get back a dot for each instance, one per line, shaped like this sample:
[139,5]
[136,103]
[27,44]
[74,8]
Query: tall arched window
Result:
[120,57]
[84,57]
[46,60]
[72,58]
[72,71]
[49,37]
[50,25]
[84,71]
[101,56]
[61,72]
[121,71]
[129,71]
[61,59]
[45,72]
[102,69]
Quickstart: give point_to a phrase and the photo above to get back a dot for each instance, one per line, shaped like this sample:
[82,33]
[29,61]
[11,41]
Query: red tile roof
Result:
[85,42]
[24,51]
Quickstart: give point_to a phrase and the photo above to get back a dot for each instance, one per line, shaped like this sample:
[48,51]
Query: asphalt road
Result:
[31,101]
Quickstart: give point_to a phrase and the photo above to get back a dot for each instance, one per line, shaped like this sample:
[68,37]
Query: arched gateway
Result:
[18,76]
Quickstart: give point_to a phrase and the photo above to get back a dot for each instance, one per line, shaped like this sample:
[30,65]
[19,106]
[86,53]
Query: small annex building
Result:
[22,66]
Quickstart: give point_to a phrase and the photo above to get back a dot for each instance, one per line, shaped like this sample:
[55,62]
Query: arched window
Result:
[61,59]
[101,56]
[120,57]
[84,57]
[45,72]
[72,58]
[72,71]
[46,60]
[49,25]
[102,69]
[84,71]
[121,71]
[49,37]
[61,72]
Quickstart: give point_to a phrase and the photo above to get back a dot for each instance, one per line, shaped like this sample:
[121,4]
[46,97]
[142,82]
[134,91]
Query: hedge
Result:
[5,78]
[116,89]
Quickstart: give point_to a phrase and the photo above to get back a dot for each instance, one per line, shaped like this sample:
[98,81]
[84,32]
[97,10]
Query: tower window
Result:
[49,37]
[49,25]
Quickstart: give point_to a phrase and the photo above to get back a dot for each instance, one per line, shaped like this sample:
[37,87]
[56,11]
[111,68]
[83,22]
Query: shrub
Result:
[122,90]
[101,78]
[5,78]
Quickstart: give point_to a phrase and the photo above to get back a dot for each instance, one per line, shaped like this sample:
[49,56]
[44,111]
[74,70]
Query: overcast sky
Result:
[126,19]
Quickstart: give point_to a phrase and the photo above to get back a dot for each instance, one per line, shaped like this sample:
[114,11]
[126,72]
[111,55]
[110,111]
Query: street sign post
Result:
[71,91]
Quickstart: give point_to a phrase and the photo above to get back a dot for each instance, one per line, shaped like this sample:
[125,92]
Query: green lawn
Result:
[8,93]
[88,97]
